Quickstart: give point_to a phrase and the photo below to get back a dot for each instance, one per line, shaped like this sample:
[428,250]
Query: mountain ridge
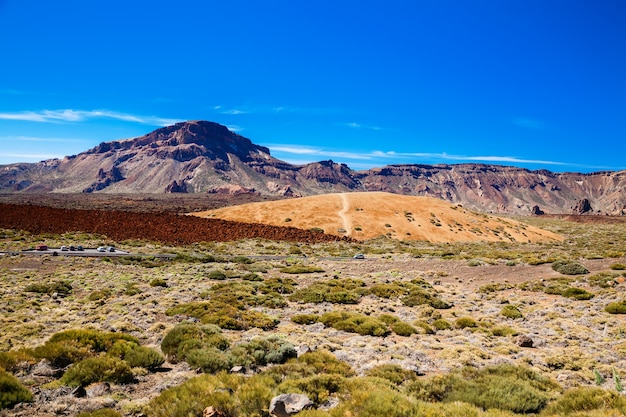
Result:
[206,157]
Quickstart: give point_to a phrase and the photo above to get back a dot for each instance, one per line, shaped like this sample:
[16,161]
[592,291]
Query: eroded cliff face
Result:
[200,157]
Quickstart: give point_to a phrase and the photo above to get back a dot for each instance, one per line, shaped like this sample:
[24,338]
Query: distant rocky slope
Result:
[205,157]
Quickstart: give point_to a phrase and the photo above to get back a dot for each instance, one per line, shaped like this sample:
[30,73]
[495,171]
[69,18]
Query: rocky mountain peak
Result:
[186,140]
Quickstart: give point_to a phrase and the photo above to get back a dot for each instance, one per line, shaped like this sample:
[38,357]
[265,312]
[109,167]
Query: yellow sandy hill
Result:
[367,215]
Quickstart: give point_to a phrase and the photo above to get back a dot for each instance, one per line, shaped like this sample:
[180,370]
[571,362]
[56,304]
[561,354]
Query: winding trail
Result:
[346,220]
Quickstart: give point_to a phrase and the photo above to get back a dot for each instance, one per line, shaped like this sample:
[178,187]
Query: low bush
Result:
[501,331]
[144,357]
[305,318]
[318,388]
[577,293]
[103,368]
[336,291]
[403,329]
[12,391]
[355,323]
[232,315]
[61,288]
[441,324]
[618,267]
[209,360]
[392,373]
[103,412]
[494,287]
[465,322]
[618,307]
[603,279]
[569,268]
[503,387]
[511,312]
[158,282]
[263,350]
[217,275]
[301,269]
[587,399]
[183,338]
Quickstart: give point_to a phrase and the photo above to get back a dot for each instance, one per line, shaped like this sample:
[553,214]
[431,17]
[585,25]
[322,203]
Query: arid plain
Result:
[474,288]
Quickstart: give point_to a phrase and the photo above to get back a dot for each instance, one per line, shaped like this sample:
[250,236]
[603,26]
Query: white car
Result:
[359,256]
[101,249]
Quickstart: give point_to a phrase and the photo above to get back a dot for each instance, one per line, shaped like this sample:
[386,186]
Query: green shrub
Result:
[586,399]
[503,331]
[494,287]
[577,293]
[263,350]
[355,323]
[61,288]
[305,318]
[209,360]
[103,368]
[418,296]
[158,282]
[278,286]
[511,312]
[97,295]
[301,269]
[318,387]
[617,267]
[569,268]
[232,316]
[603,279]
[388,290]
[618,307]
[103,412]
[441,324]
[186,337]
[10,360]
[12,391]
[465,322]
[144,357]
[392,373]
[426,329]
[503,387]
[311,363]
[132,289]
[336,291]
[216,275]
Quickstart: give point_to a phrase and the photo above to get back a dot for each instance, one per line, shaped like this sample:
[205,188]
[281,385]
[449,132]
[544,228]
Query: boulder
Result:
[287,405]
[524,341]
[582,207]
[212,412]
[536,211]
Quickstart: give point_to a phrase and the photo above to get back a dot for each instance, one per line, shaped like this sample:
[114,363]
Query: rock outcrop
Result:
[201,157]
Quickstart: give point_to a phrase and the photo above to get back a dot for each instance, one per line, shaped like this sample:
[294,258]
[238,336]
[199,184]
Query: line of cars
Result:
[79,248]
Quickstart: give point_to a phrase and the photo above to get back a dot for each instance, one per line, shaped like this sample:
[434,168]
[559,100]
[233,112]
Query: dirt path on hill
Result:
[345,219]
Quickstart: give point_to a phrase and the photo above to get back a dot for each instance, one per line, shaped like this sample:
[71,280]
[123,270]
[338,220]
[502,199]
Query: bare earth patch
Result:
[372,214]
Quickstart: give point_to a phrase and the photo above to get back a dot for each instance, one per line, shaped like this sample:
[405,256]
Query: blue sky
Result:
[533,83]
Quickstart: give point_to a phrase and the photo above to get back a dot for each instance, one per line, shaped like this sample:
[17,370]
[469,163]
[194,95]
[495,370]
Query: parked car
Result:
[64,248]
[101,249]
[111,249]
[80,248]
[359,256]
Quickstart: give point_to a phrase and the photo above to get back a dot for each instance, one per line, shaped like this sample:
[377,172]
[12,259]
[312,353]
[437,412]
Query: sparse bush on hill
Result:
[618,267]
[12,391]
[355,323]
[465,322]
[511,312]
[569,268]
[103,412]
[301,269]
[102,368]
[187,336]
[618,307]
[441,324]
[392,373]
[305,318]
[336,291]
[586,399]
[61,288]
[503,387]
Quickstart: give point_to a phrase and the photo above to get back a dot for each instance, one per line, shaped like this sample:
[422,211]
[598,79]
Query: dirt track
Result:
[165,228]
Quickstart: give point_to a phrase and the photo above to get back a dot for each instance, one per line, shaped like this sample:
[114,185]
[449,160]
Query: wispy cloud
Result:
[40,139]
[380,158]
[361,126]
[71,116]
[25,157]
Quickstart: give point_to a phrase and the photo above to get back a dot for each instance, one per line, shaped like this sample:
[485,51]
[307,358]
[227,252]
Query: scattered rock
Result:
[582,207]
[238,370]
[175,187]
[536,211]
[44,368]
[98,389]
[524,341]
[287,405]
[212,412]
[79,392]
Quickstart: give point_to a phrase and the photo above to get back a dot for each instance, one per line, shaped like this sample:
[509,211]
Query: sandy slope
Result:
[367,215]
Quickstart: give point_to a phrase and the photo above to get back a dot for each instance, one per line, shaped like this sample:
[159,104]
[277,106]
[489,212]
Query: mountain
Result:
[205,157]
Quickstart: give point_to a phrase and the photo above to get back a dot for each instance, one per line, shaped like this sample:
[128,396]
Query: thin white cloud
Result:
[234,128]
[40,139]
[318,152]
[69,115]
[361,126]
[27,156]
